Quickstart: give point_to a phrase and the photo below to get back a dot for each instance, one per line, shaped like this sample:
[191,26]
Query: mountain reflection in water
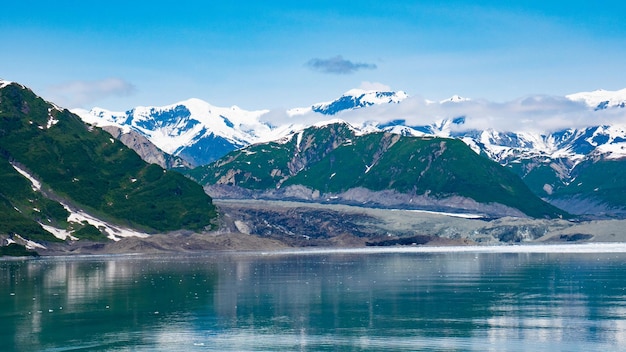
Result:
[469,301]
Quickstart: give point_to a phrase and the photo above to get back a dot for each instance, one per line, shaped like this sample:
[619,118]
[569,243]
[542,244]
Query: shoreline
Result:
[271,226]
[528,248]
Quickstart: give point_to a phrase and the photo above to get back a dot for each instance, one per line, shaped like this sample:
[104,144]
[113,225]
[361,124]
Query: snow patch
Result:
[30,244]
[51,120]
[4,83]
[58,233]
[36,185]
[454,215]
[113,232]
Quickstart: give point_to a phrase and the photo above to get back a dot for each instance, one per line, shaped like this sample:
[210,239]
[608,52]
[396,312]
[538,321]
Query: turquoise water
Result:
[364,301]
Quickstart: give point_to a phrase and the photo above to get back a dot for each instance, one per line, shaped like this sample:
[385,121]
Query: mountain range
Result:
[552,163]
[201,133]
[105,175]
[336,163]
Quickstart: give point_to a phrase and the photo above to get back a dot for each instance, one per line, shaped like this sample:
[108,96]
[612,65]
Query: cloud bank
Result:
[536,113]
[84,93]
[338,65]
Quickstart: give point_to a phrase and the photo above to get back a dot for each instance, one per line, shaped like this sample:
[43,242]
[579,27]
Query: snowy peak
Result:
[201,133]
[4,83]
[358,98]
[185,126]
[373,97]
[601,99]
[608,141]
[439,128]
[454,99]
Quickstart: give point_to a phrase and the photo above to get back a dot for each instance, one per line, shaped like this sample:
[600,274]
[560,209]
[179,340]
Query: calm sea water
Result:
[344,301]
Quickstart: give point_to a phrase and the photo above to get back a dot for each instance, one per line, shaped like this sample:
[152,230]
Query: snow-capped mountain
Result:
[578,170]
[193,129]
[454,99]
[200,133]
[570,146]
[548,161]
[352,99]
[601,99]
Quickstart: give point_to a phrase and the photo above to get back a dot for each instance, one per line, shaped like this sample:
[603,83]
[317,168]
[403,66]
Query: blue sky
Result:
[284,54]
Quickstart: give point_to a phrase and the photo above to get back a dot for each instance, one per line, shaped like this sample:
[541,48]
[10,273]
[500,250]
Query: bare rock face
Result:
[304,224]
[389,199]
[146,150]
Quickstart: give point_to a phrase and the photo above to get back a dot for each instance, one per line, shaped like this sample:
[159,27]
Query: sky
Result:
[284,54]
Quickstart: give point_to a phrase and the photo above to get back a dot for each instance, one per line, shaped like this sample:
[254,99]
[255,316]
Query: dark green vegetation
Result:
[269,165]
[89,232]
[21,208]
[16,250]
[538,173]
[602,178]
[594,187]
[333,159]
[597,188]
[86,168]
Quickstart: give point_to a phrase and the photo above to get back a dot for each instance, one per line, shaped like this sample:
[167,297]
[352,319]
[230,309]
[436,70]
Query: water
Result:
[342,301]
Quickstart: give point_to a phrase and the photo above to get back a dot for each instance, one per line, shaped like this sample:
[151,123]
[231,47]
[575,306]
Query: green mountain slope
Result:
[332,159]
[268,165]
[22,209]
[88,169]
[598,187]
[595,187]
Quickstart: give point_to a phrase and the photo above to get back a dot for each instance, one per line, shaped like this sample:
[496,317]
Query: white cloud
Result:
[539,113]
[83,93]
[365,85]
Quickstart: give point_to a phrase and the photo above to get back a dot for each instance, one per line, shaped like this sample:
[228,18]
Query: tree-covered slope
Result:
[88,169]
[333,159]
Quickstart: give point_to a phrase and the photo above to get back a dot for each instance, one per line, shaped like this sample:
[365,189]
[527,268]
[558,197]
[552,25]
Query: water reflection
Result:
[357,301]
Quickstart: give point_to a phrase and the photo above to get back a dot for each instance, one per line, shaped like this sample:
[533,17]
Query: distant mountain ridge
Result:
[200,133]
[194,130]
[546,161]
